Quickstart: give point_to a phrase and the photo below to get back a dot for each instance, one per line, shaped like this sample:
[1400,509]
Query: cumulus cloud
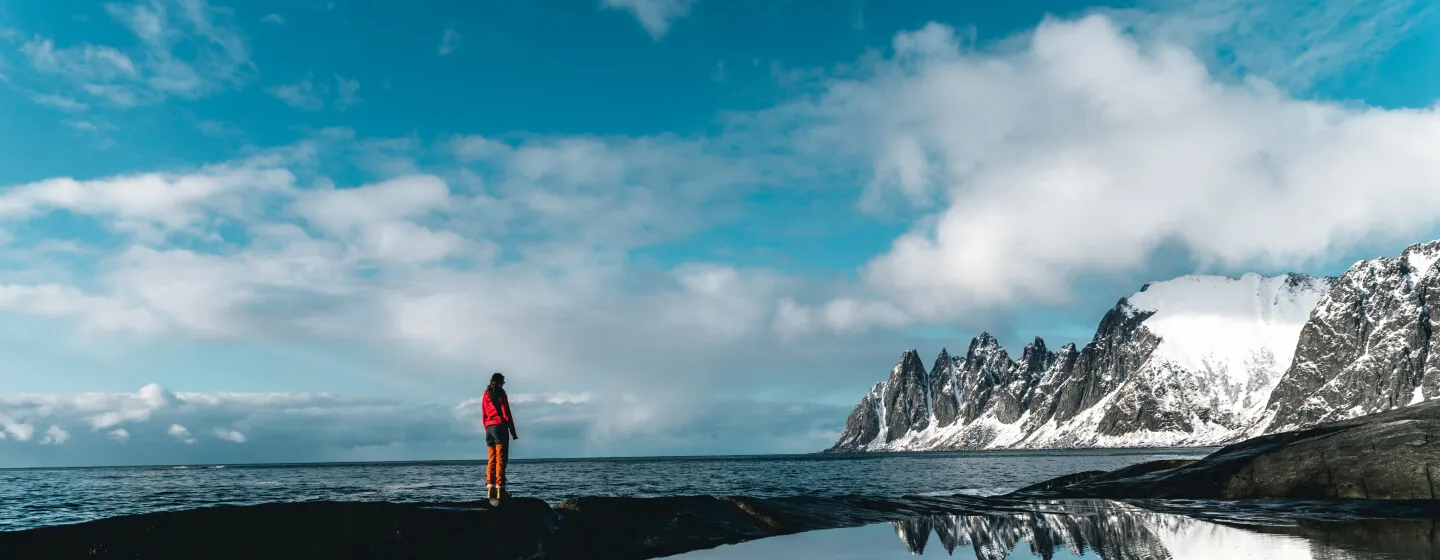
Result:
[1086,148]
[654,15]
[55,435]
[147,202]
[181,433]
[17,430]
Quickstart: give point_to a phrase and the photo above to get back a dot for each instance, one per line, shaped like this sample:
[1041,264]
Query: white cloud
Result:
[654,15]
[276,19]
[55,435]
[16,430]
[90,126]
[81,63]
[60,102]
[133,202]
[1085,149]
[449,41]
[96,314]
[310,96]
[300,95]
[120,434]
[181,433]
[377,219]
[525,398]
[231,436]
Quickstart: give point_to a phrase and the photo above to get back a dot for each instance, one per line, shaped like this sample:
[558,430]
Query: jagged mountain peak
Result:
[1421,258]
[984,344]
[1035,348]
[910,358]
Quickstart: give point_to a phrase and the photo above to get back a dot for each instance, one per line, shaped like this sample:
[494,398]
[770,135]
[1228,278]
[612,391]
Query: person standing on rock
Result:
[499,430]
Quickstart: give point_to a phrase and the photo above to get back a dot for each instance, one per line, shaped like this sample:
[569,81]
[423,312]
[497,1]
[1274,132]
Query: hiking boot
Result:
[491,491]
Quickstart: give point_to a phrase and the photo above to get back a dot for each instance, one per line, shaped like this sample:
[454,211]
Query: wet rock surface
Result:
[1393,455]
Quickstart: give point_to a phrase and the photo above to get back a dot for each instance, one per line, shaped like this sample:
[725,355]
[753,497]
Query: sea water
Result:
[39,497]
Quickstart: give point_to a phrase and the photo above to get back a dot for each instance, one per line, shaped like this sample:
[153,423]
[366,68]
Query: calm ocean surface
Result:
[37,497]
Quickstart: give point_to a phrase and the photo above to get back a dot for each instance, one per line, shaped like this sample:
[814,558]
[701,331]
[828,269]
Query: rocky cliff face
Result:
[1191,361]
[1370,345]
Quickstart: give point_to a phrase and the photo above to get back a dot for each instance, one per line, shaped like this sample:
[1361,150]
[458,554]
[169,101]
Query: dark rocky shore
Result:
[1393,455]
[1376,467]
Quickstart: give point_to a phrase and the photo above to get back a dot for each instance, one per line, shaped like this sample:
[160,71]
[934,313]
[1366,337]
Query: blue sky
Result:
[675,223]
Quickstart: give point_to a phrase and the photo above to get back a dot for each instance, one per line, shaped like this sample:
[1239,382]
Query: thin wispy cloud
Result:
[181,48]
[300,95]
[310,95]
[655,16]
[346,91]
[216,129]
[90,126]
[1292,43]
[276,19]
[59,102]
[449,41]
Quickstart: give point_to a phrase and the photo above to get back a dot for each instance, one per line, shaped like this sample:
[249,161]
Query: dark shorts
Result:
[497,435]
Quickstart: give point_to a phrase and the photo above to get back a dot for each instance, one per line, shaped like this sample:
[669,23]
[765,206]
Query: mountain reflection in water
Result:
[1105,530]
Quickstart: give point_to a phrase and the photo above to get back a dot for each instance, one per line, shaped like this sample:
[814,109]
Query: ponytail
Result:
[493,388]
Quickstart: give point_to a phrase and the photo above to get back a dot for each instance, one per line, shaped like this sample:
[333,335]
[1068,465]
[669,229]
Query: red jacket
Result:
[495,416]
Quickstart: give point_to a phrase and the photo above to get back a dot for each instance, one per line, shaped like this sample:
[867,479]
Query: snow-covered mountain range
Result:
[1198,360]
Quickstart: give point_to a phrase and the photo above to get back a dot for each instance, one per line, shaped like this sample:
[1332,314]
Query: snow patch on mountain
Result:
[1224,342]
[1422,260]
[1228,327]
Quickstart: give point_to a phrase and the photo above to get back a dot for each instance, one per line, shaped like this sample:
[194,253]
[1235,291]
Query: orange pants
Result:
[495,469]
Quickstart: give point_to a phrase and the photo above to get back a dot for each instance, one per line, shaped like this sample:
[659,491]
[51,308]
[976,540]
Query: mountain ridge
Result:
[1197,360]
